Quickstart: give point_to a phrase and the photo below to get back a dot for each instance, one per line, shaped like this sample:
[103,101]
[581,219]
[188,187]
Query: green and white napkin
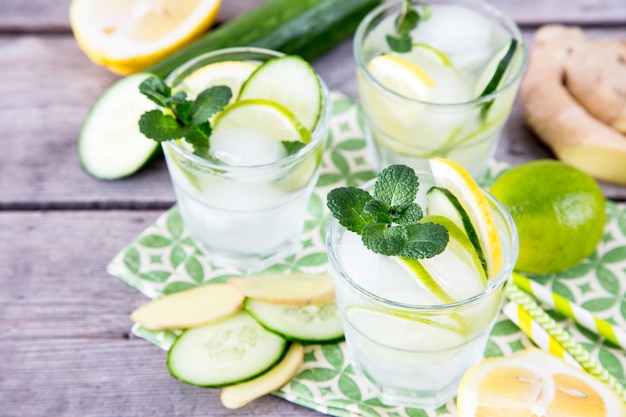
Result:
[163,259]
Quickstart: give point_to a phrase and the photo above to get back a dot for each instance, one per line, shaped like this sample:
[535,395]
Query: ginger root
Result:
[574,99]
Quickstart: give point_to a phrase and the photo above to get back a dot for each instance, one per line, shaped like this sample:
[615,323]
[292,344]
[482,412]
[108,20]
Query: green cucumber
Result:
[441,202]
[110,145]
[291,82]
[225,352]
[296,27]
[316,323]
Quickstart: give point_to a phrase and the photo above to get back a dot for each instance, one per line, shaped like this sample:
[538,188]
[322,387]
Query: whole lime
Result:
[558,210]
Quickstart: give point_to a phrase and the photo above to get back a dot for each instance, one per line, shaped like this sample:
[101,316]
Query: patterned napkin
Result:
[163,259]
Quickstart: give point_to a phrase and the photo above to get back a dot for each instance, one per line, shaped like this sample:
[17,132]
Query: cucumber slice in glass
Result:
[290,81]
[110,145]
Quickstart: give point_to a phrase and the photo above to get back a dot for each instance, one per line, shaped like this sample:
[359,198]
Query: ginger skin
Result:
[558,119]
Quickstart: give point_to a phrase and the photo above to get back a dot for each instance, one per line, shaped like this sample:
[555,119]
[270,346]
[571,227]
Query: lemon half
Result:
[127,36]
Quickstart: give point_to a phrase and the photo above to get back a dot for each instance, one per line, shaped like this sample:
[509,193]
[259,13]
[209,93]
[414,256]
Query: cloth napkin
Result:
[163,259]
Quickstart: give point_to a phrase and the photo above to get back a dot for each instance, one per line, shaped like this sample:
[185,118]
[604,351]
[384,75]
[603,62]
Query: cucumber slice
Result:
[315,323]
[495,76]
[110,145]
[232,350]
[291,81]
[442,202]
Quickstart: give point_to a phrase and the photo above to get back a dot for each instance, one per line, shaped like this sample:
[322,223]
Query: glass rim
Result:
[493,283]
[492,11]
[317,135]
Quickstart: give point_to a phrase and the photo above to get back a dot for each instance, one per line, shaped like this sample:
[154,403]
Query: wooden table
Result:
[65,346]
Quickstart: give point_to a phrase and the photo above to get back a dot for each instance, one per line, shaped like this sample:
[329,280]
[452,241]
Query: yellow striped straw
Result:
[572,310]
[559,334]
[536,333]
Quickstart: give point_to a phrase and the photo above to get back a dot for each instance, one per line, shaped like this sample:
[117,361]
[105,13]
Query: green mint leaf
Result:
[156,125]
[178,98]
[347,206]
[379,210]
[385,240]
[425,240]
[156,90]
[400,43]
[396,185]
[408,213]
[293,146]
[209,102]
[408,22]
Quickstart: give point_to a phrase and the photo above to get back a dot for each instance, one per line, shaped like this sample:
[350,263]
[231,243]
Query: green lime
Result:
[558,211]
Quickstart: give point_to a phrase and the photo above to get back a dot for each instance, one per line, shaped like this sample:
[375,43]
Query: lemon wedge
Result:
[449,174]
[401,76]
[127,36]
[534,383]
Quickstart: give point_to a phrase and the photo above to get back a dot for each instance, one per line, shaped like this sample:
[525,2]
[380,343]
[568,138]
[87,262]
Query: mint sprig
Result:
[407,20]
[180,117]
[389,221]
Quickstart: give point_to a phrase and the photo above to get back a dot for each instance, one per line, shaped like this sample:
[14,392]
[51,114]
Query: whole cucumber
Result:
[300,27]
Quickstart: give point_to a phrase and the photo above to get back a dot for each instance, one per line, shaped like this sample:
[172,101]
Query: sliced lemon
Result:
[229,73]
[534,383]
[127,36]
[401,76]
[267,116]
[452,176]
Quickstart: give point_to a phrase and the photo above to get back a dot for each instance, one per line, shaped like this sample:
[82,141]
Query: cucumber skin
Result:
[297,27]
[304,341]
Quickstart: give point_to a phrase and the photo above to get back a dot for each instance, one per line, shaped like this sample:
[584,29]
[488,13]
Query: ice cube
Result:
[464,35]
[246,147]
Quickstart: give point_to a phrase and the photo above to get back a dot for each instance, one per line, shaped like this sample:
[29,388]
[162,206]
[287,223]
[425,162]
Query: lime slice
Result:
[402,76]
[229,73]
[291,82]
[398,329]
[270,117]
[452,176]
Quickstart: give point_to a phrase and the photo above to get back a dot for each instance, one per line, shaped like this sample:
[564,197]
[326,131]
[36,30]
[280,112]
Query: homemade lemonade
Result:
[245,197]
[416,320]
[444,88]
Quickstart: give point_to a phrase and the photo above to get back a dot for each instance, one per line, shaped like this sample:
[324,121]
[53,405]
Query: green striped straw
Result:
[572,310]
[575,349]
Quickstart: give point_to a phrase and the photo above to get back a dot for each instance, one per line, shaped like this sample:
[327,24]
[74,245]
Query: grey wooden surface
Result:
[65,347]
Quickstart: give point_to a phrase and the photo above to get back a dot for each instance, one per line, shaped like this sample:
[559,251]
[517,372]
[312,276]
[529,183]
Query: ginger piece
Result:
[576,137]
[595,74]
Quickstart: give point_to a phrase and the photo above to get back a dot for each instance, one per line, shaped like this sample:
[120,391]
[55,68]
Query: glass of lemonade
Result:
[244,202]
[430,101]
[411,348]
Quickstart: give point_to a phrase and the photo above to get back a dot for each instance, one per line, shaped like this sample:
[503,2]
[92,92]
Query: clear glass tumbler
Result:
[410,350]
[248,217]
[444,115]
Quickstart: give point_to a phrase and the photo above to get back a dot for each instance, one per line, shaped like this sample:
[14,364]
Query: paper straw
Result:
[578,352]
[536,333]
[572,310]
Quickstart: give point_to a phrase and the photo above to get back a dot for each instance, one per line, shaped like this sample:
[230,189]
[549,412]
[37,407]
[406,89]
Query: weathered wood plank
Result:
[64,338]
[52,16]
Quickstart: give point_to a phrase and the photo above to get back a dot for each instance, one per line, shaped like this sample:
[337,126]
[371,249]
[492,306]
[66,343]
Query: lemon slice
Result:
[452,176]
[270,117]
[127,36]
[229,73]
[534,383]
[401,76]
